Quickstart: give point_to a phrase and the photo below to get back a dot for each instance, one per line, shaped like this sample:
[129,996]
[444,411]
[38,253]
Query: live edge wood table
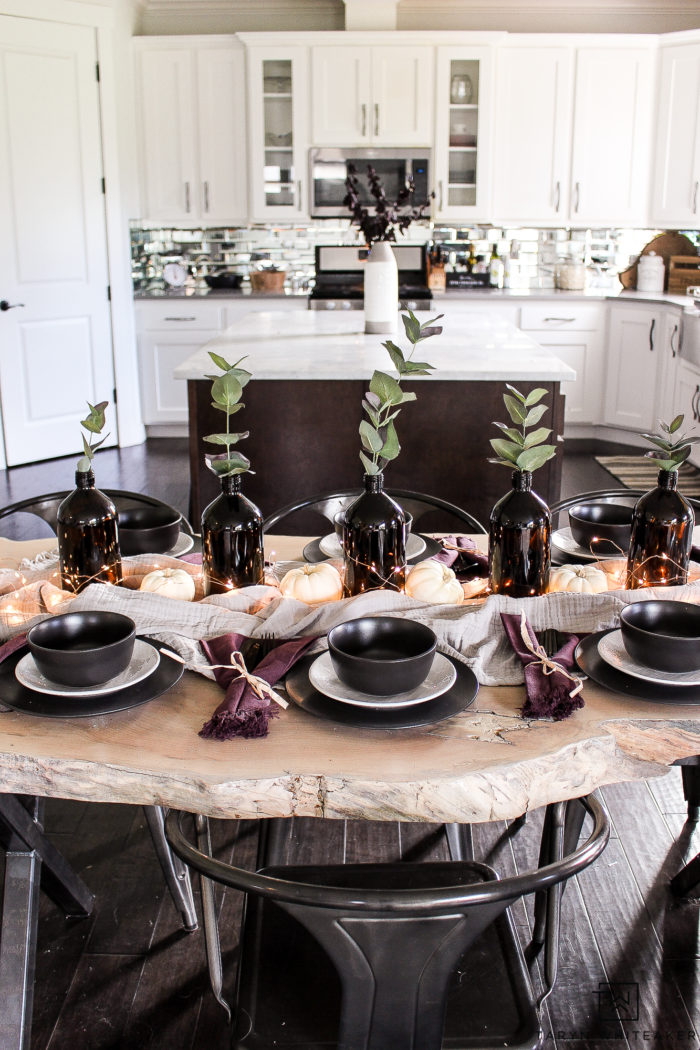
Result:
[482,765]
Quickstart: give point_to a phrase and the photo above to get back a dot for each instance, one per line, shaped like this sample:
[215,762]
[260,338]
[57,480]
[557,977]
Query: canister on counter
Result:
[651,273]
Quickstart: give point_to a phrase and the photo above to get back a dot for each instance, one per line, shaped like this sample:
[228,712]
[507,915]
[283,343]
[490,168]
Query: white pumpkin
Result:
[582,579]
[431,581]
[313,583]
[169,583]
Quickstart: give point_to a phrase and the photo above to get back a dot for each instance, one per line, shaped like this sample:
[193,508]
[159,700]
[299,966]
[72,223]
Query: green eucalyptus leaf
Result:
[391,448]
[374,401]
[515,409]
[659,442]
[501,462]
[534,415]
[369,465]
[412,326]
[240,374]
[83,464]
[225,465]
[219,361]
[534,458]
[226,390]
[371,439]
[511,433]
[430,323]
[534,396]
[373,415]
[396,355]
[677,422]
[419,368]
[505,449]
[226,439]
[516,393]
[86,448]
[536,437]
[386,388]
[406,396]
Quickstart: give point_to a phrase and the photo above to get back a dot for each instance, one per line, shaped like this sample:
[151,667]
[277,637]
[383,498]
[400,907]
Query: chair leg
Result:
[691,790]
[273,841]
[177,875]
[687,882]
[211,928]
[460,841]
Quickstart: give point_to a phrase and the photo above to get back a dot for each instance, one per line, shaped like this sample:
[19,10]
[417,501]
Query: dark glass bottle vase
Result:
[374,541]
[232,541]
[88,536]
[520,531]
[662,536]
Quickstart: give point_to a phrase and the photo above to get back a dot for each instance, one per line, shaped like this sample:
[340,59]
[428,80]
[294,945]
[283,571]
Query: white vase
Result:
[381,290]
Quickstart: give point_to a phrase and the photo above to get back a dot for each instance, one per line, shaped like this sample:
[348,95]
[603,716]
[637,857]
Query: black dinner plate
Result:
[592,663]
[20,698]
[457,698]
[313,553]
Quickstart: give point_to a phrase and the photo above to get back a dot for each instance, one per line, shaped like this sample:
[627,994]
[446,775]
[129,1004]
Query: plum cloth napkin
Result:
[242,712]
[461,554]
[551,693]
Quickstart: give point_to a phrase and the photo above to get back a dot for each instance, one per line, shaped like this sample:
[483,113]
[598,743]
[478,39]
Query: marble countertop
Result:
[319,345]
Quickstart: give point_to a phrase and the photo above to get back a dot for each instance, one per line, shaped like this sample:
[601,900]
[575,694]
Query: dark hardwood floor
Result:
[128,977]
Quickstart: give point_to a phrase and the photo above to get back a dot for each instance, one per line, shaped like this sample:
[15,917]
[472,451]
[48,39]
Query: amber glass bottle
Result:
[88,536]
[232,541]
[520,541]
[662,536]
[374,540]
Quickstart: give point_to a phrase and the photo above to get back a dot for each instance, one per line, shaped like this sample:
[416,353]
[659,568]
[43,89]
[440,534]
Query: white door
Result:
[611,155]
[677,174]
[341,110]
[533,116]
[56,349]
[402,96]
[635,348]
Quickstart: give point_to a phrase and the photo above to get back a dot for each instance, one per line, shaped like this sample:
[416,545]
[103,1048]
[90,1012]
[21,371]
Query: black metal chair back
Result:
[46,507]
[395,935]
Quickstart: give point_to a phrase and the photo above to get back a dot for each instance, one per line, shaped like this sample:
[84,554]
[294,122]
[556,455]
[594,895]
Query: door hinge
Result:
[114,395]
[109,293]
[104,187]
[97,72]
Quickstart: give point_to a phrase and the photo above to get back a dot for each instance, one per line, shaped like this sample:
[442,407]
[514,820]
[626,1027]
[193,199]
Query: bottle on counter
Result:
[495,269]
[471,259]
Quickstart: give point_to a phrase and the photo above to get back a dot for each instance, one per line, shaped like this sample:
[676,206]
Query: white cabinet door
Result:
[402,96]
[668,365]
[340,97]
[687,401]
[278,96]
[166,103]
[676,196]
[612,136]
[533,121]
[634,352]
[57,344]
[463,129]
[221,110]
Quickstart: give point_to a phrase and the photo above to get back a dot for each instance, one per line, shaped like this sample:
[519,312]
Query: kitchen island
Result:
[304,406]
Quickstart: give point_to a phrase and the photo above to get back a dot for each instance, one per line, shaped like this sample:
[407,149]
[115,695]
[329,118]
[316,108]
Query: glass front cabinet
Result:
[463,123]
[278,84]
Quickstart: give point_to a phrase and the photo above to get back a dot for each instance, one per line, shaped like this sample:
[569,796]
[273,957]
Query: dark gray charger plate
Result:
[313,553]
[592,663]
[17,696]
[457,698]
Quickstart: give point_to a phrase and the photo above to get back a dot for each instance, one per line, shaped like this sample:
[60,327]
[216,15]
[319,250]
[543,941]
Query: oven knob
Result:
[346,304]
[330,305]
[411,304]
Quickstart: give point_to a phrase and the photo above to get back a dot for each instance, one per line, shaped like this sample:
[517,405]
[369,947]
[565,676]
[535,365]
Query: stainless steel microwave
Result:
[328,170]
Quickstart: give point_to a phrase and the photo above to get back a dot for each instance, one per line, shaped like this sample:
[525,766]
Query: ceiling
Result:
[575,16]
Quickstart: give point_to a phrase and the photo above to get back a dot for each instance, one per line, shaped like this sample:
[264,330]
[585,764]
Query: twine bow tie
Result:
[259,686]
[548,665]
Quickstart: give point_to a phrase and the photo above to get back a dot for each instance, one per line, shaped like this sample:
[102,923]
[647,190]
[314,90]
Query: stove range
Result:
[340,275]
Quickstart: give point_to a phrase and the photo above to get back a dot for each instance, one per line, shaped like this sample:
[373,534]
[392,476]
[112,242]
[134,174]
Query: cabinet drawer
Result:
[565,316]
[181,315]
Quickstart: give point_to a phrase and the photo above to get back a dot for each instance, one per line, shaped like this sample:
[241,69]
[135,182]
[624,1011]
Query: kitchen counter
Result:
[304,406]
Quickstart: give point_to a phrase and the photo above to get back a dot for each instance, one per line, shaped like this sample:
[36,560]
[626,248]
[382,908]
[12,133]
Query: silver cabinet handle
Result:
[577,189]
[652,326]
[179,318]
[558,196]
[187,196]
[206,196]
[694,403]
[695,197]
[440,196]
[674,333]
[4,305]
[364,119]
[299,195]
[561,320]
[376,118]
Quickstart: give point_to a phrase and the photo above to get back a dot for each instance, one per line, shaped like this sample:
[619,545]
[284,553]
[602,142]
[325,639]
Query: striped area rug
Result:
[638,473]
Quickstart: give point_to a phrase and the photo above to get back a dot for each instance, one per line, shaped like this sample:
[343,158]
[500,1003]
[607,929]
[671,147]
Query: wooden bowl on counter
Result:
[267,280]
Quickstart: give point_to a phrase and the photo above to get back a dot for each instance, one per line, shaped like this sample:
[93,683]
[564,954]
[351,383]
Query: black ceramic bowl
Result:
[339,518]
[148,530]
[83,648]
[382,655]
[224,280]
[602,528]
[662,634]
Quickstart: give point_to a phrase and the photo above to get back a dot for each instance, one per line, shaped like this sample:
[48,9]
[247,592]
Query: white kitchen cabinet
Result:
[676,193]
[668,365]
[575,333]
[634,363]
[564,151]
[381,96]
[463,129]
[278,101]
[687,401]
[533,133]
[190,95]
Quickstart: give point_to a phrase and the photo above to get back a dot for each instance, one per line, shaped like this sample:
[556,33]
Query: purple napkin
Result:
[242,712]
[12,646]
[461,554]
[549,693]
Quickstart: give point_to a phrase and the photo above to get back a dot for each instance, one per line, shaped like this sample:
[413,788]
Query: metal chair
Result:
[393,956]
[176,875]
